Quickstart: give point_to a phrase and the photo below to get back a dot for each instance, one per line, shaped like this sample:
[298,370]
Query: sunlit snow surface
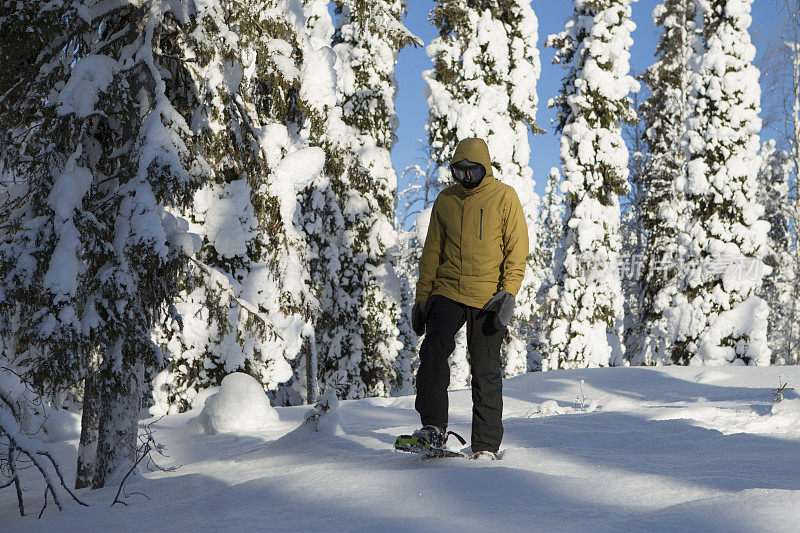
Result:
[666,449]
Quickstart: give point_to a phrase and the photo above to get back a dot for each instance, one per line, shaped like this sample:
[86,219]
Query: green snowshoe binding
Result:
[429,443]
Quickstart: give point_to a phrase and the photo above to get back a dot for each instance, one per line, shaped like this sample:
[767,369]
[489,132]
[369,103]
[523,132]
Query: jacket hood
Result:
[475,150]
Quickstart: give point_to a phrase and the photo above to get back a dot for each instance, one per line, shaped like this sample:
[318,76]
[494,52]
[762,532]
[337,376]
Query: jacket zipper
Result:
[480,235]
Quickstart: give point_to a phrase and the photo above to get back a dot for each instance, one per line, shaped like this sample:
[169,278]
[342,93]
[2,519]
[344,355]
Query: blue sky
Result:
[412,109]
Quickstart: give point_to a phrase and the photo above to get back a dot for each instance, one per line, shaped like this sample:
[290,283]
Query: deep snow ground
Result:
[654,449]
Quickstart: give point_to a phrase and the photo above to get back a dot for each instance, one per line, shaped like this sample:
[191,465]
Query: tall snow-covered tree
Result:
[593,103]
[251,270]
[631,228]
[663,211]
[778,289]
[551,224]
[348,217]
[780,78]
[93,256]
[368,37]
[716,317]
[551,218]
[483,84]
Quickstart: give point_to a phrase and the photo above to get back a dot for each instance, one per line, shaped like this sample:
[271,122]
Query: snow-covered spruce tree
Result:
[93,258]
[28,32]
[593,103]
[483,84]
[779,286]
[663,210]
[367,40]
[348,233]
[249,121]
[551,217]
[551,224]
[47,346]
[716,317]
[42,337]
[631,228]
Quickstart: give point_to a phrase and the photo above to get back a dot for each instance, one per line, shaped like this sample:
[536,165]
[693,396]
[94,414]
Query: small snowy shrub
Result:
[777,393]
[325,416]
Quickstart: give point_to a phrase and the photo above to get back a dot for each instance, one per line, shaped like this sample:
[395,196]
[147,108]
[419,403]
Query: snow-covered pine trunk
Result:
[483,84]
[663,214]
[90,424]
[716,317]
[120,384]
[593,103]
[312,369]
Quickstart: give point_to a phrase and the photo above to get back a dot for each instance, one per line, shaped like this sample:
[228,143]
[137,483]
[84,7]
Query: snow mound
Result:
[619,403]
[787,407]
[240,406]
[551,407]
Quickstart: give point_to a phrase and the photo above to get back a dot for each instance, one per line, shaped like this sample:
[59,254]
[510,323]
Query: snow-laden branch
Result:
[219,279]
[19,446]
[398,30]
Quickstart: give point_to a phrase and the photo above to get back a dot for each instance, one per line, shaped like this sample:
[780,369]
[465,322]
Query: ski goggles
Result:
[467,172]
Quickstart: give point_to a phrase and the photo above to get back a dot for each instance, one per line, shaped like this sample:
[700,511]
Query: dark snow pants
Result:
[445,318]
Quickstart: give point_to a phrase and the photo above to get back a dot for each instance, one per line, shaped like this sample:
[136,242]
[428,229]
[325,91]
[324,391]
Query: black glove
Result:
[502,305]
[418,313]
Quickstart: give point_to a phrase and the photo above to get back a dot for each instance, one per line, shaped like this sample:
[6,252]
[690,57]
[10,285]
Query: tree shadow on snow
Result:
[671,448]
[637,383]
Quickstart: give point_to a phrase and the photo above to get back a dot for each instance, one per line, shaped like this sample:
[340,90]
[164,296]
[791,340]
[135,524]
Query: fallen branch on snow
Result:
[147,446]
[21,448]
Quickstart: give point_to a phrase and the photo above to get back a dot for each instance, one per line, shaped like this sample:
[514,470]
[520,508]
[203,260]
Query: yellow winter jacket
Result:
[477,240]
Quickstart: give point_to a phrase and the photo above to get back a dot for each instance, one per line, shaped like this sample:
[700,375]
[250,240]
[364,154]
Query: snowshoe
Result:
[429,443]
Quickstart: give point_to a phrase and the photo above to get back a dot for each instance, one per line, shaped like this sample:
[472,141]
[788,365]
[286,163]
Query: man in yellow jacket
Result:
[472,267]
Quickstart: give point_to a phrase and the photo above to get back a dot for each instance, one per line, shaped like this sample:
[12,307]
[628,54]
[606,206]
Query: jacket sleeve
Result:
[430,255]
[515,246]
